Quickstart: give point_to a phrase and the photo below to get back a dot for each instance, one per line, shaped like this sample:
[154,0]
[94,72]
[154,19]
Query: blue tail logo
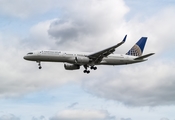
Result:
[138,48]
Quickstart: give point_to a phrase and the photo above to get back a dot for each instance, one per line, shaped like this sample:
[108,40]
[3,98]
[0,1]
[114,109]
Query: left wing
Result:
[98,56]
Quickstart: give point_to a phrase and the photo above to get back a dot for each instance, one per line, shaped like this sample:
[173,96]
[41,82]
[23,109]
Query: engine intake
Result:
[71,67]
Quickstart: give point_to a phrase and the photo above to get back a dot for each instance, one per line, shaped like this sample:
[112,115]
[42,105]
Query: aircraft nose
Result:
[25,57]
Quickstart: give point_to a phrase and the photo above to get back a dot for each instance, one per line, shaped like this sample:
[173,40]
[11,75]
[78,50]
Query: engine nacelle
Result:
[71,67]
[82,60]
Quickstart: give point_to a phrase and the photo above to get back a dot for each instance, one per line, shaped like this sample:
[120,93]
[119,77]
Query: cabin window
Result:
[30,53]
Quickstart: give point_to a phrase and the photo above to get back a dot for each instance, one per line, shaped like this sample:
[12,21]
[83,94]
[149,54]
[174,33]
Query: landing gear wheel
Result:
[39,64]
[94,68]
[86,71]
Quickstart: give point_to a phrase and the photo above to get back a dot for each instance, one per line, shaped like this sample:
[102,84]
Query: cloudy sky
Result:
[144,91]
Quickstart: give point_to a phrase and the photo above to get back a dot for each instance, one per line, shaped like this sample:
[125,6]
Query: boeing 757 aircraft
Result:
[73,61]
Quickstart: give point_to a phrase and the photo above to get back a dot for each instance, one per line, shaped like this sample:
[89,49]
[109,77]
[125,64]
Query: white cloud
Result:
[82,115]
[144,85]
[147,84]
[27,8]
[95,21]
[104,23]
[159,29]
[19,77]
[89,25]
[30,8]
[100,24]
[39,38]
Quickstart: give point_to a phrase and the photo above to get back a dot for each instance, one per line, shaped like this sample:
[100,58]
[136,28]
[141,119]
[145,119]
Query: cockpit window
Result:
[30,53]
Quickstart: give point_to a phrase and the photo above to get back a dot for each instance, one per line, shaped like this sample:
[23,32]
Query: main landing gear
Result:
[88,71]
[39,64]
[94,68]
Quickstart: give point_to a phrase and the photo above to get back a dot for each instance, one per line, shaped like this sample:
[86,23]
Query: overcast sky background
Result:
[144,91]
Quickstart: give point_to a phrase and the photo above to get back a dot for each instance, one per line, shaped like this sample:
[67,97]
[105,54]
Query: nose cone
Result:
[29,56]
[26,57]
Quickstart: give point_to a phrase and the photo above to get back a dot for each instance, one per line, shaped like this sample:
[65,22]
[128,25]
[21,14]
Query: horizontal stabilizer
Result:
[144,56]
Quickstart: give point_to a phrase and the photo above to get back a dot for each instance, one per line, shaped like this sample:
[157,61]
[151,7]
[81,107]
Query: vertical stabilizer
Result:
[138,48]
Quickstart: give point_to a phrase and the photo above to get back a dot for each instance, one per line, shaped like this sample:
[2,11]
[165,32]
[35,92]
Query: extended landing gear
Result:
[94,68]
[88,71]
[40,67]
[39,64]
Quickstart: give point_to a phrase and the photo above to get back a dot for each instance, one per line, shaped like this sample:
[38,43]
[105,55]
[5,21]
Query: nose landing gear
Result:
[39,64]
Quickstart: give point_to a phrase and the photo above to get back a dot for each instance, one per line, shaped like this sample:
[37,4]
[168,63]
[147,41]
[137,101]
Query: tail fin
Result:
[138,48]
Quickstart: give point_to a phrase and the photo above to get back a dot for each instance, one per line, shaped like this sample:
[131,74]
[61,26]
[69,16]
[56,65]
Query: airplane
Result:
[73,61]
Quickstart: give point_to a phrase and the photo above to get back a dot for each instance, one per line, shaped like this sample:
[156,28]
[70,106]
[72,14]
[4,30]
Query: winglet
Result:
[124,39]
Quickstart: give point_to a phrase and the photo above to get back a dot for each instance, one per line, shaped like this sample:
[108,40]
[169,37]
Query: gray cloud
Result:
[9,117]
[125,119]
[164,119]
[73,105]
[40,118]
[91,21]
[64,30]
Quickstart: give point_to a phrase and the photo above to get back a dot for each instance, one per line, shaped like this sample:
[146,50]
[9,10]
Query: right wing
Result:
[98,56]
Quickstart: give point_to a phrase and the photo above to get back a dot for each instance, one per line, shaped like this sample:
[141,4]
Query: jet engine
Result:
[82,60]
[71,67]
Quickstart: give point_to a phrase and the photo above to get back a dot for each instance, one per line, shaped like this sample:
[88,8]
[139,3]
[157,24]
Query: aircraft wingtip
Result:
[125,38]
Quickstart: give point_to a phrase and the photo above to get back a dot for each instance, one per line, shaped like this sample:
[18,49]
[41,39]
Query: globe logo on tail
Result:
[135,51]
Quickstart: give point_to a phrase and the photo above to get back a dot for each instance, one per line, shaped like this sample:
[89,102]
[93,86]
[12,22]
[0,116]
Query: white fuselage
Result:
[73,61]
[69,57]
